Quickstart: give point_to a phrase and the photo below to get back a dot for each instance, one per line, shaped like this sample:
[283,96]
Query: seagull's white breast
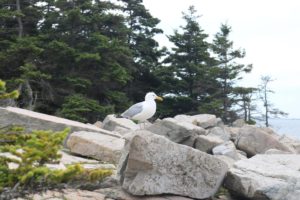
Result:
[149,109]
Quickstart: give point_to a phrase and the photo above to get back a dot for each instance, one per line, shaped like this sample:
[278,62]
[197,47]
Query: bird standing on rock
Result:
[143,110]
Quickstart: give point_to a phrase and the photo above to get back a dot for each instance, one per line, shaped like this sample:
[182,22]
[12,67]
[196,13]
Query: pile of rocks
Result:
[192,157]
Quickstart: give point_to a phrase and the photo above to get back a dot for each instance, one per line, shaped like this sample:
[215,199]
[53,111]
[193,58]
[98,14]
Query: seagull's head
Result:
[152,96]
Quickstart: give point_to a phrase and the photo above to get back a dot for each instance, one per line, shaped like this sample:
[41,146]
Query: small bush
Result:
[31,152]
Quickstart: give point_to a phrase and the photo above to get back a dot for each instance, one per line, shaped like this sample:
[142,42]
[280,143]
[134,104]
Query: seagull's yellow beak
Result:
[159,98]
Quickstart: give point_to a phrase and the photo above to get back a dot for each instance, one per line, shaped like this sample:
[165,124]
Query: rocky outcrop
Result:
[219,132]
[255,140]
[206,143]
[38,121]
[266,177]
[202,120]
[99,194]
[156,165]
[181,132]
[226,149]
[102,147]
[119,125]
[154,162]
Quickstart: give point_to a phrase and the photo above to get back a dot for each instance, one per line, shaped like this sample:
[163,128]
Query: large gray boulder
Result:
[95,145]
[255,140]
[266,177]
[119,125]
[177,131]
[155,165]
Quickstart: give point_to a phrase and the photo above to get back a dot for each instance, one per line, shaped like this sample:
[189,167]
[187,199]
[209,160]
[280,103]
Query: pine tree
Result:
[269,109]
[244,98]
[190,62]
[229,71]
[87,53]
[142,27]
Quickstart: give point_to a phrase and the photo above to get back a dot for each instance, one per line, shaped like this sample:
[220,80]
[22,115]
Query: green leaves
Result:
[80,108]
[4,95]
[30,152]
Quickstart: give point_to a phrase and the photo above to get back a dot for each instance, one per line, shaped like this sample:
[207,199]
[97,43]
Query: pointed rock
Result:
[155,165]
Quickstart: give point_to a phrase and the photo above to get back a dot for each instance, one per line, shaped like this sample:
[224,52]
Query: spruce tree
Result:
[142,27]
[229,70]
[191,62]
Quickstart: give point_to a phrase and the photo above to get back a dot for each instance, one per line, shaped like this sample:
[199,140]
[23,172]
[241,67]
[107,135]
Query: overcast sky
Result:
[269,31]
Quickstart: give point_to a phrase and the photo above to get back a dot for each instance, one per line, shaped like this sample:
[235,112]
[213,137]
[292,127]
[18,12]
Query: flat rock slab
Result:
[66,194]
[119,193]
[155,165]
[266,177]
[96,145]
[38,121]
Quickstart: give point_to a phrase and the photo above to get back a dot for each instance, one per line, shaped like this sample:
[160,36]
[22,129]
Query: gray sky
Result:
[269,31]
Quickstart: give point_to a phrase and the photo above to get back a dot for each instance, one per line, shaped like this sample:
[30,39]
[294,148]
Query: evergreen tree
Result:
[229,71]
[190,62]
[142,27]
[88,54]
[244,98]
[20,49]
[269,109]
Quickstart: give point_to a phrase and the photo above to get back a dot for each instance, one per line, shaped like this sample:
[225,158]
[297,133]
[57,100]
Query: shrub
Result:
[31,152]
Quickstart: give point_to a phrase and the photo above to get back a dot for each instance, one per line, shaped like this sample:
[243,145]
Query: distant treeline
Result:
[84,59]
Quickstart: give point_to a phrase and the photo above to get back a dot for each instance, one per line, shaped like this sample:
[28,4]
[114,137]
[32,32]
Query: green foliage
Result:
[85,59]
[4,95]
[80,108]
[30,152]
[174,105]
[228,70]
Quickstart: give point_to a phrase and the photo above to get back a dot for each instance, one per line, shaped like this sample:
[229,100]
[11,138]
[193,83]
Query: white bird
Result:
[143,110]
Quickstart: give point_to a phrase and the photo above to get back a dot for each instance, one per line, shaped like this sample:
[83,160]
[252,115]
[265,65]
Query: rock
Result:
[14,160]
[242,154]
[176,131]
[156,165]
[233,131]
[292,143]
[276,151]
[239,123]
[118,193]
[254,140]
[95,145]
[202,120]
[38,121]
[119,125]
[206,143]
[229,161]
[226,149]
[266,177]
[68,159]
[67,194]
[219,132]
[98,124]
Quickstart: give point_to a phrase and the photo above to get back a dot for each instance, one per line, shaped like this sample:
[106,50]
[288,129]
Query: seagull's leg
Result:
[142,125]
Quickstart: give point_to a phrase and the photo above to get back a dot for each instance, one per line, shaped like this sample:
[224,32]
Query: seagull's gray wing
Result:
[133,110]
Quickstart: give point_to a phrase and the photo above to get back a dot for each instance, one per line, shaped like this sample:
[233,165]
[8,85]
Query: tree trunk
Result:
[20,23]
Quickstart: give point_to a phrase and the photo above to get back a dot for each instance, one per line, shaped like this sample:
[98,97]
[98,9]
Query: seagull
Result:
[143,110]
